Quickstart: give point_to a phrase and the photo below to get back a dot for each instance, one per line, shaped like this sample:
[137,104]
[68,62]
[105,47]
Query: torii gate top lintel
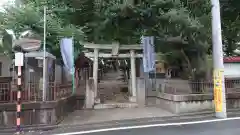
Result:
[111,46]
[115,47]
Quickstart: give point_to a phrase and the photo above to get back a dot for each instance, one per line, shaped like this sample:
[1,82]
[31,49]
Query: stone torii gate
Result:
[93,52]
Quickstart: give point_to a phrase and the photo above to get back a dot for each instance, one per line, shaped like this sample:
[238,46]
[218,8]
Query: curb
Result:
[186,116]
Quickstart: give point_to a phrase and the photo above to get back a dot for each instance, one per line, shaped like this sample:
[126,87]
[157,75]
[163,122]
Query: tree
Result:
[123,22]
[230,10]
[29,16]
[126,23]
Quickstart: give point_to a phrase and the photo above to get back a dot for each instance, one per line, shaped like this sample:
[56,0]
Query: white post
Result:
[133,75]
[95,72]
[44,57]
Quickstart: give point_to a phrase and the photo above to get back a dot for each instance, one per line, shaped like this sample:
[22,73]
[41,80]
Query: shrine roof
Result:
[234,59]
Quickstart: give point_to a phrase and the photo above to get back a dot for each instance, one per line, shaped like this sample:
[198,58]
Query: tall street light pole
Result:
[219,83]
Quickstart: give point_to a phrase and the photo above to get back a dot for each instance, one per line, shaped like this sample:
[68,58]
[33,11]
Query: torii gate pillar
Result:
[95,72]
[133,76]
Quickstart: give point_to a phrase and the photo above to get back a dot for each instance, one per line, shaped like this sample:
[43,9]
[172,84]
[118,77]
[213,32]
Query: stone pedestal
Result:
[141,92]
[133,99]
[162,85]
[90,96]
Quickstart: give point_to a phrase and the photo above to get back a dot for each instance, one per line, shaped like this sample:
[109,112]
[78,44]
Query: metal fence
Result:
[32,92]
[196,87]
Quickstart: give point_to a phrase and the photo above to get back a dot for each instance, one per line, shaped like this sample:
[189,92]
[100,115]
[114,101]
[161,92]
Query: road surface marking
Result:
[147,126]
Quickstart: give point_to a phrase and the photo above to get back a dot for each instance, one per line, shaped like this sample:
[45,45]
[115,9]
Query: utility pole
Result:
[219,83]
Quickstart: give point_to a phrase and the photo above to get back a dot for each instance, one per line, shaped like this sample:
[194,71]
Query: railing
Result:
[32,92]
[196,87]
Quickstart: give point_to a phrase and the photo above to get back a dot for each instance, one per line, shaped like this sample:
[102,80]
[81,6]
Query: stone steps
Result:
[115,105]
[109,90]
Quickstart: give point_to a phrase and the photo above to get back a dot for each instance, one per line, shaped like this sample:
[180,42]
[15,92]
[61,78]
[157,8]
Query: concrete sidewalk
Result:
[102,117]
[99,119]
[110,123]
[80,117]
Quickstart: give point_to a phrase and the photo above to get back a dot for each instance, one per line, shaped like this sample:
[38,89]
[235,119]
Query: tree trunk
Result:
[229,47]
[196,84]
[188,62]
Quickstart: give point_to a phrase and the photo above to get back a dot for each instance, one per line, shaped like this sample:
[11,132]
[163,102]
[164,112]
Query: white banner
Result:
[148,53]
[66,46]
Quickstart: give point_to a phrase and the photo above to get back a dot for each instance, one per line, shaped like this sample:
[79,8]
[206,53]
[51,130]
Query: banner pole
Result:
[73,68]
[44,57]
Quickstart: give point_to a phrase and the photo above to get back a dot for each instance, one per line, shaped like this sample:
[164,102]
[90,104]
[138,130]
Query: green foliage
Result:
[30,17]
[109,21]
[182,27]
[230,24]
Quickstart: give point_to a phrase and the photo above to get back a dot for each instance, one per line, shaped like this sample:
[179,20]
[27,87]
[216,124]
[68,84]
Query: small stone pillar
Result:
[90,96]
[163,85]
[141,92]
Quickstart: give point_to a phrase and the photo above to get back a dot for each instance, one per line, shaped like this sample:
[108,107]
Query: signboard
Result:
[148,53]
[218,97]
[19,59]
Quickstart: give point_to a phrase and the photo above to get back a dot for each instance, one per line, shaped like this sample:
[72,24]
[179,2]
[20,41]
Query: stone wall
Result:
[39,113]
[184,103]
[194,102]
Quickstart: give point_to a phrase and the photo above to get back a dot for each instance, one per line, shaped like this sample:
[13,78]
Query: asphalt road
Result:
[184,125]
[231,127]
